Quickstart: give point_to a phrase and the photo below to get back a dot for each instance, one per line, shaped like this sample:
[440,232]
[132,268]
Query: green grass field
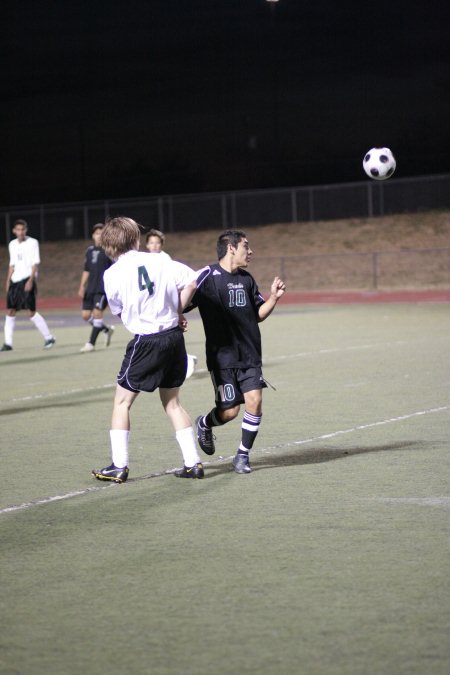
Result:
[332,557]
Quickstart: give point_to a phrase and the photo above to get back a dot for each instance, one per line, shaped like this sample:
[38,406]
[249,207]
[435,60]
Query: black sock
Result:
[212,419]
[94,334]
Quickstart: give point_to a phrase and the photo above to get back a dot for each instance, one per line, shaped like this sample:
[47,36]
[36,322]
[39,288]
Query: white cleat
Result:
[88,347]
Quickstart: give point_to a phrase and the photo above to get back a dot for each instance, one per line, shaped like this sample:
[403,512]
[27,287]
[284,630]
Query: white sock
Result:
[186,441]
[98,323]
[41,325]
[9,329]
[119,447]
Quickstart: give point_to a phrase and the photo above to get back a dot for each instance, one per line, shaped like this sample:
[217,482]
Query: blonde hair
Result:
[120,235]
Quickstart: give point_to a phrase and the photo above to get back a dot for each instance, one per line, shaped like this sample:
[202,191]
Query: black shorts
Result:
[94,301]
[18,298]
[153,361]
[231,384]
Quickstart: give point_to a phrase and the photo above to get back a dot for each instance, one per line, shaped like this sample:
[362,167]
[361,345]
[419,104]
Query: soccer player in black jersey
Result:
[231,307]
[93,292]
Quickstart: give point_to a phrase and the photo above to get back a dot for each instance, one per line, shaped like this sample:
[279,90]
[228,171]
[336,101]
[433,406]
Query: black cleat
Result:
[205,438]
[241,463]
[48,344]
[195,471]
[6,348]
[111,473]
[108,335]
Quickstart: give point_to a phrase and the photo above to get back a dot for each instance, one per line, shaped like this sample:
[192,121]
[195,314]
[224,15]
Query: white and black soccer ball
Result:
[379,163]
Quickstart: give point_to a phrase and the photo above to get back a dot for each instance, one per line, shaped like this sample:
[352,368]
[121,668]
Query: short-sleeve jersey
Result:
[22,256]
[144,289]
[96,262]
[228,304]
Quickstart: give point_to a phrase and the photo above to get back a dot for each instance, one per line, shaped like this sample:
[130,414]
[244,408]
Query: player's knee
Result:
[229,414]
[253,403]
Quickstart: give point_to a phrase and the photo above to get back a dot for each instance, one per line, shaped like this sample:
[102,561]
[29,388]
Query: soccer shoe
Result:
[111,473]
[6,348]
[88,347]
[205,438]
[241,463]
[195,471]
[48,344]
[108,335]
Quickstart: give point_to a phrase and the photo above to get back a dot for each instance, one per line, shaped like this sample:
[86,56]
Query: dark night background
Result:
[103,99]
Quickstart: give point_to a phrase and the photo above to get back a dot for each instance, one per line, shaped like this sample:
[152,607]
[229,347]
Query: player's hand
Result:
[182,322]
[28,286]
[278,288]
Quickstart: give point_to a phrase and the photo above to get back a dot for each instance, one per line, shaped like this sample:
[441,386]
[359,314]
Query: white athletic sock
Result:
[186,441]
[9,329]
[98,323]
[119,447]
[41,325]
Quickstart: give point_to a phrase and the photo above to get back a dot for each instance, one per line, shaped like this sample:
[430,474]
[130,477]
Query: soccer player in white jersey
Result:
[148,292]
[154,242]
[21,288]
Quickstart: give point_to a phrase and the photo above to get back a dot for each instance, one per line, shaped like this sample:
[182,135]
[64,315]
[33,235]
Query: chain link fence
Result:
[239,209]
[412,269]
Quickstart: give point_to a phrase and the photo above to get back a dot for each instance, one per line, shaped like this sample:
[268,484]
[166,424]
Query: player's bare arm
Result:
[186,295]
[83,282]
[33,275]
[277,289]
[8,276]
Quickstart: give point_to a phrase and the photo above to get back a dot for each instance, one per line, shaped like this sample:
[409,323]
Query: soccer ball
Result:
[379,163]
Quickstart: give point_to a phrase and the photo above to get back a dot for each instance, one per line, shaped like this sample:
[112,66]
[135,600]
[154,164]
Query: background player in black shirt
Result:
[93,292]
[231,307]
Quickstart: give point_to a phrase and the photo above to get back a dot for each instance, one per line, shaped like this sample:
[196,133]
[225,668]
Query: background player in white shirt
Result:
[21,288]
[148,292]
[154,243]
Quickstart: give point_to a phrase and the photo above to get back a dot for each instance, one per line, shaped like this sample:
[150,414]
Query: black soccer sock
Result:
[250,428]
[94,334]
[212,419]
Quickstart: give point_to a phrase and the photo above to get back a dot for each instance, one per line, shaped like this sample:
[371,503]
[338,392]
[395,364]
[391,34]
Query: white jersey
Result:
[22,256]
[144,289]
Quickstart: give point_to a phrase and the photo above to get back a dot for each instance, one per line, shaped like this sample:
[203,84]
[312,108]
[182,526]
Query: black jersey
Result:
[228,304]
[96,262]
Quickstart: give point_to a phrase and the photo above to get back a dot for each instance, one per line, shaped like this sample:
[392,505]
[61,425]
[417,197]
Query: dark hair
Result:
[155,233]
[20,221]
[228,238]
[97,226]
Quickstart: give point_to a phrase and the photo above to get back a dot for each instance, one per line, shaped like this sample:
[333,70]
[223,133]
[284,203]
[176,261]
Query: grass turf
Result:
[331,557]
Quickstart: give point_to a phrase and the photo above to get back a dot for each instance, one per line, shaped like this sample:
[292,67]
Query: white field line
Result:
[291,444]
[281,357]
[444,500]
[53,394]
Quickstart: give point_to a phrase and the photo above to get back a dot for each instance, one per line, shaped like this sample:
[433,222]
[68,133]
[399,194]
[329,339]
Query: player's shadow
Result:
[304,456]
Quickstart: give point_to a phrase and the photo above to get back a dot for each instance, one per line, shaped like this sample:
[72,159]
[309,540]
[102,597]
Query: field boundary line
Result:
[221,459]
